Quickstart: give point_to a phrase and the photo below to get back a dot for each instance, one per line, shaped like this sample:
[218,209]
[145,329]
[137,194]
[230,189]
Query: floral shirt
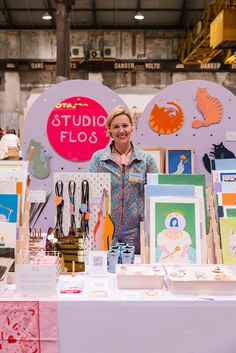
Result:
[127,191]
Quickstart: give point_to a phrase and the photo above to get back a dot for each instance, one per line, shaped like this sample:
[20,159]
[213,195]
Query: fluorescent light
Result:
[46,16]
[139,16]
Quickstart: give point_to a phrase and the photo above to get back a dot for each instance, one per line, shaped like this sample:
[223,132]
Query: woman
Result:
[12,142]
[128,167]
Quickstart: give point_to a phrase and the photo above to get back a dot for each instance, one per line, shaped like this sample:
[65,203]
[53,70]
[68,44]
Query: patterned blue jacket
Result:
[127,191]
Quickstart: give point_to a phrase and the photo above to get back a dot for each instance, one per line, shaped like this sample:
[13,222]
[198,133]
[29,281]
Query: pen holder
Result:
[121,245]
[126,256]
[112,260]
[130,248]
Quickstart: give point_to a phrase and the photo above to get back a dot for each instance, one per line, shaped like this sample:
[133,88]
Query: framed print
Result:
[181,179]
[223,164]
[225,176]
[179,161]
[226,198]
[8,208]
[163,190]
[175,235]
[228,240]
[157,154]
[229,211]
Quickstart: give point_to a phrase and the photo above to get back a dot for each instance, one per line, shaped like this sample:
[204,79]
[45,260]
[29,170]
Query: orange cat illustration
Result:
[210,107]
[166,120]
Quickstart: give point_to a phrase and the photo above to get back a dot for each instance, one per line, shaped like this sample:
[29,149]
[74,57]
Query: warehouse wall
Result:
[16,87]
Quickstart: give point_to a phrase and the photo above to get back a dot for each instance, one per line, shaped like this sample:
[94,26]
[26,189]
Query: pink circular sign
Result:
[76,128]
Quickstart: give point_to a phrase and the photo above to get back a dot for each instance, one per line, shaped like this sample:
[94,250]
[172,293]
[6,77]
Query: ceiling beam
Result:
[94,12]
[111,9]
[6,13]
[183,14]
[98,26]
[68,3]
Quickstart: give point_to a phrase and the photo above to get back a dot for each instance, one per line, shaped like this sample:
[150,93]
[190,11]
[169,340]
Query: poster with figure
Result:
[175,235]
[8,208]
[157,153]
[179,161]
[228,240]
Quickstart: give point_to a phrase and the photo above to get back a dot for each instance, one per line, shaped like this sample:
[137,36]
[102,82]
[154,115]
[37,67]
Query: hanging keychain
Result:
[71,192]
[59,202]
[84,208]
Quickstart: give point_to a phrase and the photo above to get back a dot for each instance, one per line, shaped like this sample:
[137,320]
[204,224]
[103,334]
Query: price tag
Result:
[37,196]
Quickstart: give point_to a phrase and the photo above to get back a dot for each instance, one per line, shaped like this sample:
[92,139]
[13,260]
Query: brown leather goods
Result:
[72,248]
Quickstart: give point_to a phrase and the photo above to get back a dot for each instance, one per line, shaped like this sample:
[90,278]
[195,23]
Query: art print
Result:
[223,164]
[229,211]
[179,161]
[182,179]
[157,154]
[228,240]
[8,208]
[8,235]
[19,323]
[175,230]
[227,176]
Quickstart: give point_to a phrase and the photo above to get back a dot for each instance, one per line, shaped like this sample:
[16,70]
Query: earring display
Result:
[201,279]
[59,202]
[104,228]
[81,204]
[140,276]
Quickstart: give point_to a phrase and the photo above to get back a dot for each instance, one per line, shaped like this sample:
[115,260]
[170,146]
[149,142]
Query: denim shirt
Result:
[127,191]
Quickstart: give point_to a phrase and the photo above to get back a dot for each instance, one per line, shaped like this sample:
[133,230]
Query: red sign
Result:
[76,128]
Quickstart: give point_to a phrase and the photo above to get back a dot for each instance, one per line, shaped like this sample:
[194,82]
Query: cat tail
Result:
[196,124]
[207,162]
[178,107]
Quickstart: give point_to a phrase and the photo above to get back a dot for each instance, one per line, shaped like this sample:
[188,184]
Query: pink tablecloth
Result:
[28,327]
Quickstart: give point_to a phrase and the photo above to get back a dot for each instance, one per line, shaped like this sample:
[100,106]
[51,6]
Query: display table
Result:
[155,326]
[165,326]
[144,321]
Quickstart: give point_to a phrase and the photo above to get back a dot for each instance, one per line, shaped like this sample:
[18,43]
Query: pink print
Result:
[19,323]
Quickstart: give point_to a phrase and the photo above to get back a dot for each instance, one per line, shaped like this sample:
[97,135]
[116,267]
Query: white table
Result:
[129,322]
[167,324]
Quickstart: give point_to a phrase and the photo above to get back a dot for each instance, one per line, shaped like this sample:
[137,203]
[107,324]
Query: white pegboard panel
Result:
[97,182]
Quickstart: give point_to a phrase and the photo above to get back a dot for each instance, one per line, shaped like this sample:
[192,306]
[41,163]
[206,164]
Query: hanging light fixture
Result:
[46,16]
[139,16]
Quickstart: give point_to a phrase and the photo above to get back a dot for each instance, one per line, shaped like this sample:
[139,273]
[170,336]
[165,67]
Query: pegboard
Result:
[199,139]
[35,127]
[97,182]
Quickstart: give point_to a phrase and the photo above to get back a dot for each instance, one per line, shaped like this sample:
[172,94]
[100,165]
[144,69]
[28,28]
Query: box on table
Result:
[140,276]
[201,279]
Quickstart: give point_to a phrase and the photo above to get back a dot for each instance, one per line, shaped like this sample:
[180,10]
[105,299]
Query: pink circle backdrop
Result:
[76,128]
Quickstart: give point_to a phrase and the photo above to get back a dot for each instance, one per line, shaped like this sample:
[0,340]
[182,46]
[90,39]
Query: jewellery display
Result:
[84,209]
[71,192]
[140,276]
[201,279]
[82,202]
[59,202]
[104,228]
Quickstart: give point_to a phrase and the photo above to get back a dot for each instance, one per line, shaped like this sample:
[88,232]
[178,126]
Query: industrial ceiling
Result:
[103,14]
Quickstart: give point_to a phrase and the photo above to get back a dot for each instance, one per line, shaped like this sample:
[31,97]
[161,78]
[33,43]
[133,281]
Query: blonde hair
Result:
[119,110]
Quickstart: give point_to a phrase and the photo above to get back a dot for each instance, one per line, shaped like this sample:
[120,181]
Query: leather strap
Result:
[59,222]
[71,192]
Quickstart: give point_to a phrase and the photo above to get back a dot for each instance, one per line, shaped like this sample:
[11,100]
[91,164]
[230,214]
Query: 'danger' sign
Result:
[76,128]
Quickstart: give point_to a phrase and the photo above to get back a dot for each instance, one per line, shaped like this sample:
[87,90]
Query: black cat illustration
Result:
[219,152]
